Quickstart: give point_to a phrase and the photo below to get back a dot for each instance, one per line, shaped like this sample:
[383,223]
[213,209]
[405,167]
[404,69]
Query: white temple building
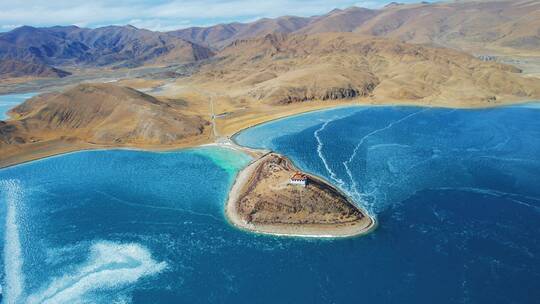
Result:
[299,179]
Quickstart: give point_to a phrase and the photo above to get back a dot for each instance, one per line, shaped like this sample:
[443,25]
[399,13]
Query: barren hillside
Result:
[72,47]
[499,26]
[16,68]
[100,114]
[283,69]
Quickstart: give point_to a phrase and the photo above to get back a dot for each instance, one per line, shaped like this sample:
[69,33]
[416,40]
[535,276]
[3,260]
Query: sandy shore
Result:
[12,156]
[238,120]
[18,154]
[244,178]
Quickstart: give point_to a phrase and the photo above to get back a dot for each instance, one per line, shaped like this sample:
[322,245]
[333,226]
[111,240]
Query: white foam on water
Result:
[13,260]
[110,265]
[320,146]
[350,190]
[354,186]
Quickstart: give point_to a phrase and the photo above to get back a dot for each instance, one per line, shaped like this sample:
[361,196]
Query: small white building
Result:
[299,179]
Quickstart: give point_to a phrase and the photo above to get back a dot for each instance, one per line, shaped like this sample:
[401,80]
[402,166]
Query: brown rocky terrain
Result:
[504,30]
[283,69]
[491,27]
[99,115]
[263,200]
[500,26]
[16,68]
[111,46]
[221,35]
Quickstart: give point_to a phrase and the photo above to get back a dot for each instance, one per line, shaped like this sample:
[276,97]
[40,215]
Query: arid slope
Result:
[17,68]
[282,69]
[72,48]
[501,26]
[475,26]
[98,114]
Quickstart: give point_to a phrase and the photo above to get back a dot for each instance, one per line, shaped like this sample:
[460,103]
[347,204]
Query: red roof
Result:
[299,176]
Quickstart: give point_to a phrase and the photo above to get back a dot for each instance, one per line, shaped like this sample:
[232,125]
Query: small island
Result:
[271,196]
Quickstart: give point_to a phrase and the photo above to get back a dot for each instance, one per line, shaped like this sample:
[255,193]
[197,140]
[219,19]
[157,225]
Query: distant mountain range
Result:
[113,46]
[468,25]
[480,27]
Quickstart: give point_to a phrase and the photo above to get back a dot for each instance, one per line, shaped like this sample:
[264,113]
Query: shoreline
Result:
[58,147]
[233,131]
[53,148]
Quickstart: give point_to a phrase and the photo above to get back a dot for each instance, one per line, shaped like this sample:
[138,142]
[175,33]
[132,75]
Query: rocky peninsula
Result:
[264,200]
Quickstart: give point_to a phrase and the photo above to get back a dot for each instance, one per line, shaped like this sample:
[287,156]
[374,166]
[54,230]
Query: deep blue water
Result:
[7,102]
[456,194]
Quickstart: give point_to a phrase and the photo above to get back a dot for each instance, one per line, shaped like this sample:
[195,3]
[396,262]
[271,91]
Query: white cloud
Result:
[159,24]
[371,4]
[8,27]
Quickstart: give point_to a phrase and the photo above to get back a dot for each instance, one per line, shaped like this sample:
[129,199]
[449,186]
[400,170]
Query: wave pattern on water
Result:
[14,278]
[97,234]
[320,146]
[109,266]
[361,197]
[453,191]
[378,164]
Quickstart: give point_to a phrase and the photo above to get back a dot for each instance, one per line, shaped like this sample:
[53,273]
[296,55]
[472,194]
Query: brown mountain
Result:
[102,114]
[484,27]
[339,21]
[468,25]
[115,46]
[283,69]
[223,34]
[477,26]
[17,68]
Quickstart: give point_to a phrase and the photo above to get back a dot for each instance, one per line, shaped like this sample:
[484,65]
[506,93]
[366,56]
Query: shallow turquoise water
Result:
[7,102]
[455,191]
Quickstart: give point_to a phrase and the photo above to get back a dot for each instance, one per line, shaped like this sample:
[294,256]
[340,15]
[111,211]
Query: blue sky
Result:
[161,15]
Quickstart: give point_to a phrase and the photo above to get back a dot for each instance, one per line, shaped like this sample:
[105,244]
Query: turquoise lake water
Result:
[456,194]
[7,102]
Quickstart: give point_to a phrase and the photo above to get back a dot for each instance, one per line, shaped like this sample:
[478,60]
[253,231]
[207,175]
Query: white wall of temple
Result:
[298,182]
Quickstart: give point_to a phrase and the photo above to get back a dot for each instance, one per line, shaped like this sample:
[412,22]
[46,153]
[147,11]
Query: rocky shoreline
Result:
[262,200]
